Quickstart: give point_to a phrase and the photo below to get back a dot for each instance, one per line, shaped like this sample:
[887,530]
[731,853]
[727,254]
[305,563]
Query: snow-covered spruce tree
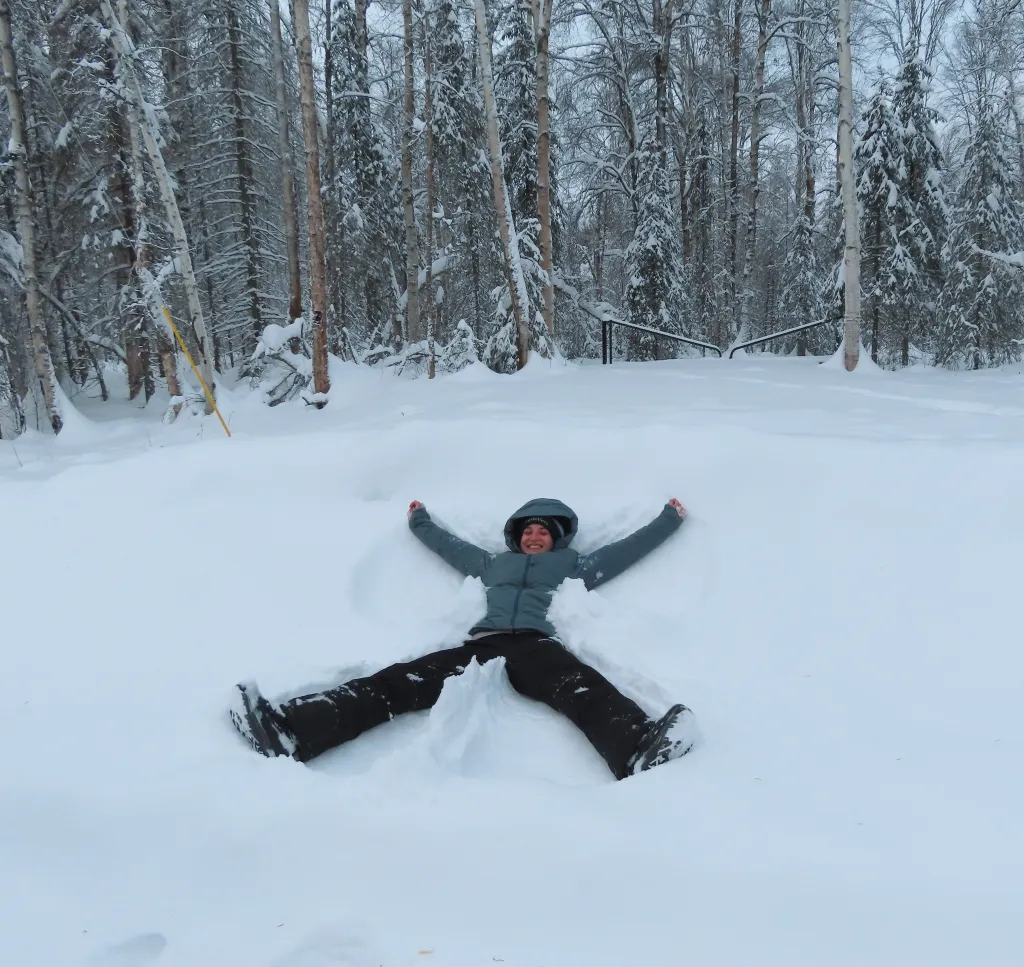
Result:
[515,94]
[877,162]
[654,288]
[234,174]
[289,207]
[801,299]
[920,214]
[981,318]
[465,219]
[363,244]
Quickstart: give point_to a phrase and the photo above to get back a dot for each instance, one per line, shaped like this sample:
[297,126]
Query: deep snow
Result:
[841,611]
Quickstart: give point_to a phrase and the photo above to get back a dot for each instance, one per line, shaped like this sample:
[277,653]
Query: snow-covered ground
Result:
[842,612]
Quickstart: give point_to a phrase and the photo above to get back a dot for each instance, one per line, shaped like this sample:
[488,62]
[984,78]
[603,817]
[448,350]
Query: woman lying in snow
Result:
[519,583]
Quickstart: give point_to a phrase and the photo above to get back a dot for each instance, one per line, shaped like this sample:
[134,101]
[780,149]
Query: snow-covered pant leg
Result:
[542,669]
[324,720]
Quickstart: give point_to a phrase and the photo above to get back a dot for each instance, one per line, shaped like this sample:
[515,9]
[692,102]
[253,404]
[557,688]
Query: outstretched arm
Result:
[466,558]
[611,560]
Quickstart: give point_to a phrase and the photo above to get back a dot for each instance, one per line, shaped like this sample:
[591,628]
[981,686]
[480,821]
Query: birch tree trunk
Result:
[428,111]
[746,292]
[284,149]
[314,201]
[125,50]
[851,258]
[518,295]
[41,360]
[542,32]
[412,256]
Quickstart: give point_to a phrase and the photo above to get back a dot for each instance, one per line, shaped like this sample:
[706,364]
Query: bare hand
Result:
[415,505]
[679,508]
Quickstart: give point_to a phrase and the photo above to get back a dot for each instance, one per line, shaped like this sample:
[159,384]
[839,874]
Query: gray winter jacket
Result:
[519,586]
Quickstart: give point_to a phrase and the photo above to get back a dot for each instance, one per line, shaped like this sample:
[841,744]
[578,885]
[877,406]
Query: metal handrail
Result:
[776,335]
[606,337]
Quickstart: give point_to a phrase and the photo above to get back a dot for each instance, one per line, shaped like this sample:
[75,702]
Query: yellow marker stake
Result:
[184,349]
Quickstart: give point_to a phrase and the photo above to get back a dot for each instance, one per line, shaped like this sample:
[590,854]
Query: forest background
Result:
[495,179]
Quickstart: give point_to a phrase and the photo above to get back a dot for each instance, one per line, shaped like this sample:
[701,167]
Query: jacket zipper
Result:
[519,594]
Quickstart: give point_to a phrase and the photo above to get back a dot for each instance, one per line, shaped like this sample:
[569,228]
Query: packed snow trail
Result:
[841,611]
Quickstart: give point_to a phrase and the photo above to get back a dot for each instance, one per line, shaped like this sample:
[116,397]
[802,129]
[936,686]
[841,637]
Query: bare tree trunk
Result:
[126,51]
[412,256]
[661,22]
[518,294]
[428,111]
[734,150]
[314,202]
[542,33]
[1017,123]
[127,250]
[755,157]
[42,363]
[284,150]
[335,241]
[851,259]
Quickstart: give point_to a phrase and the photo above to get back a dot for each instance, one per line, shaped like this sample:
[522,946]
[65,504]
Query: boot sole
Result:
[669,754]
[247,723]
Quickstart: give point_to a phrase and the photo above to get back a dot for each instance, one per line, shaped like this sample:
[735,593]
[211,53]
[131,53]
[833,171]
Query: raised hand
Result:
[679,508]
[415,505]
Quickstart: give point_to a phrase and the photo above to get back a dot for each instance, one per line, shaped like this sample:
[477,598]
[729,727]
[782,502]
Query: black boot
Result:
[259,723]
[669,738]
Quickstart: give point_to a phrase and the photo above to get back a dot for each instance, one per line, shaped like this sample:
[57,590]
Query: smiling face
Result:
[536,539]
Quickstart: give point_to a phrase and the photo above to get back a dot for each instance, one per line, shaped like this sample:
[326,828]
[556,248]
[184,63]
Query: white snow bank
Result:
[840,611]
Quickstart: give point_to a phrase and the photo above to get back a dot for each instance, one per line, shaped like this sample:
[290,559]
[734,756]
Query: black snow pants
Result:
[538,667]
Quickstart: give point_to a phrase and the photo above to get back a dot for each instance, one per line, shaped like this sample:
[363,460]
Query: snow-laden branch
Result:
[1016,259]
[601,311]
[438,266]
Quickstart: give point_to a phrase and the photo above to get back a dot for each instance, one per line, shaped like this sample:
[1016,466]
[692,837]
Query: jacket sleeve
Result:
[464,557]
[611,560]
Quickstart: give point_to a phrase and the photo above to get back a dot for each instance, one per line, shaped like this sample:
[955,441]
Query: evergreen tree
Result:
[467,228]
[877,162]
[654,286]
[920,215]
[366,241]
[801,300]
[515,92]
[981,321]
